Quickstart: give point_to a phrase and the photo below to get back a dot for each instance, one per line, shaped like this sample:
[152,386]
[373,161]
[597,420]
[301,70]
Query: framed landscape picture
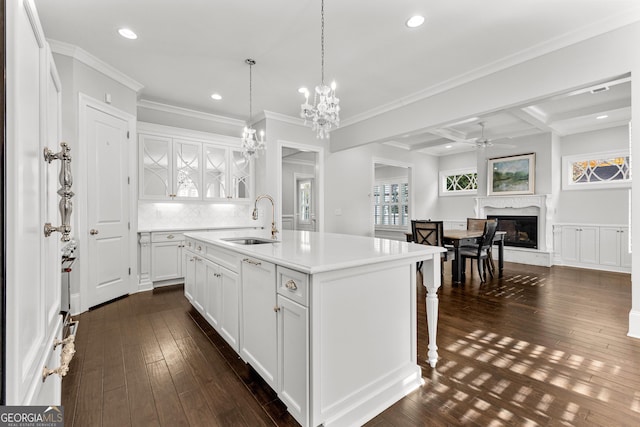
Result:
[511,175]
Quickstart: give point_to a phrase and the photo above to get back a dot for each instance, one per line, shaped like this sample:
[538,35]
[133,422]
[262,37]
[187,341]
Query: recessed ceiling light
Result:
[415,21]
[604,116]
[127,33]
[216,96]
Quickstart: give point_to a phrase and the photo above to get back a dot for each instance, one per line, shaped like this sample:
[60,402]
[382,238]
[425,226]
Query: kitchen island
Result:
[328,320]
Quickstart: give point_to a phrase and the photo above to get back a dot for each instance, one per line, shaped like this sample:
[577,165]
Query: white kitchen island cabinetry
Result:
[329,320]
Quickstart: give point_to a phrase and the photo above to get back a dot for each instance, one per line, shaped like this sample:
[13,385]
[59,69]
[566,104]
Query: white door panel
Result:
[108,206]
[32,261]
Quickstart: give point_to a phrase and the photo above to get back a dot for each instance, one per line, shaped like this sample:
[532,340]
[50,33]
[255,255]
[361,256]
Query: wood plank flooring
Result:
[539,347]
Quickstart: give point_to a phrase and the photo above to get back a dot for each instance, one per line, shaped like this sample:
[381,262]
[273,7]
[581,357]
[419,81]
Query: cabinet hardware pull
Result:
[250,261]
[291,285]
[276,309]
[191,259]
[66,180]
[199,248]
[93,231]
[171,236]
[181,246]
[189,244]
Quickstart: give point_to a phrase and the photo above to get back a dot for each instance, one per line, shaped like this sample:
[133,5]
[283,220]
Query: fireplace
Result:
[522,230]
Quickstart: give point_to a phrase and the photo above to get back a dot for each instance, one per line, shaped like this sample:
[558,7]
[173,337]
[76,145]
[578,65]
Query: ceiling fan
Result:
[484,142]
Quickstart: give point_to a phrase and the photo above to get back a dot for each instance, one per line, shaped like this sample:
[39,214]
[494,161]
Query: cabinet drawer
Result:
[166,237]
[194,246]
[293,285]
[223,257]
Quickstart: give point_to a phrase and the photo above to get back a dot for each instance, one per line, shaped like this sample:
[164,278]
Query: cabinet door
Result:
[625,254]
[589,245]
[213,305]
[609,247]
[189,275]
[187,180]
[240,176]
[215,172]
[156,167]
[199,287]
[570,238]
[259,321]
[166,261]
[230,318]
[293,358]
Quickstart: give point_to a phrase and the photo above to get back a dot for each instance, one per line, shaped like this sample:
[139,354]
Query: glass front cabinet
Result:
[180,169]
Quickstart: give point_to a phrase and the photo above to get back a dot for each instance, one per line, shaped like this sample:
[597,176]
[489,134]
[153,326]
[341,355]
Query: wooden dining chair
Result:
[481,253]
[477,224]
[427,232]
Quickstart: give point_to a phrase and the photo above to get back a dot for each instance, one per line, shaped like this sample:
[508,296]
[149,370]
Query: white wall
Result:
[349,186]
[610,206]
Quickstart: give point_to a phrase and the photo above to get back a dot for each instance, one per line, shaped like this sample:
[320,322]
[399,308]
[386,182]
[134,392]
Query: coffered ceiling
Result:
[188,49]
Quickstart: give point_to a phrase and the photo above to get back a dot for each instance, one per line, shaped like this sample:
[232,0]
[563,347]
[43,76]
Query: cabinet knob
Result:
[276,309]
[93,231]
[291,285]
[189,244]
[199,248]
[171,236]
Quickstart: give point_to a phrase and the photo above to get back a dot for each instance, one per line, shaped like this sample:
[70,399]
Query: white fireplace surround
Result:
[542,203]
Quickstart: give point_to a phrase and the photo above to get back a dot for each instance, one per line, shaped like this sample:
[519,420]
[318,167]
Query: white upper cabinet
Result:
[180,166]
[187,171]
[155,167]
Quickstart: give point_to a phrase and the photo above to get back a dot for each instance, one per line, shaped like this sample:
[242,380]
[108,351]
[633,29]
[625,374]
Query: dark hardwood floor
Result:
[541,346]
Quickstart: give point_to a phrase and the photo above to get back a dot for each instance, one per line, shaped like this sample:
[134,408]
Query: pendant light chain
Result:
[251,144]
[322,40]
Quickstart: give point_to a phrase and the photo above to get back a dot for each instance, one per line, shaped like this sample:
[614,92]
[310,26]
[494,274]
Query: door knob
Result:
[93,231]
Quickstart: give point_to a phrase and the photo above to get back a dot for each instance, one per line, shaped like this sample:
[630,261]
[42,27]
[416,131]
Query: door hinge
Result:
[129,271]
[129,180]
[129,225]
[127,134]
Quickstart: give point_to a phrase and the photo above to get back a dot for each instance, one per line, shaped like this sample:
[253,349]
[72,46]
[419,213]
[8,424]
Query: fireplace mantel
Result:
[540,201]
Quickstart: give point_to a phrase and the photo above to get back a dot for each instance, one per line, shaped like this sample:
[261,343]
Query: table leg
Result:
[501,260]
[457,265]
[431,281]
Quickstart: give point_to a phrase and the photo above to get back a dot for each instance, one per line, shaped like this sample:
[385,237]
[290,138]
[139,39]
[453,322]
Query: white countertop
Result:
[312,252]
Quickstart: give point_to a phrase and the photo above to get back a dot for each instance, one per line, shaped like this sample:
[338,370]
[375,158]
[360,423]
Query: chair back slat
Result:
[477,224]
[427,232]
[488,234]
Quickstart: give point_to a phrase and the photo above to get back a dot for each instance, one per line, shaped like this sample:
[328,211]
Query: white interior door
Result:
[32,260]
[107,206]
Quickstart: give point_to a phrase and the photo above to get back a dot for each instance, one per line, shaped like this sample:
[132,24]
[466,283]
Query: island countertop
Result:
[314,252]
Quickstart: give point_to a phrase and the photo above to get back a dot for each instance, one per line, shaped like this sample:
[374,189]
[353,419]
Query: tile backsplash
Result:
[163,215]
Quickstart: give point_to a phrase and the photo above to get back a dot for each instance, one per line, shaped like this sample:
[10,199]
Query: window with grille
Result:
[459,182]
[597,170]
[391,204]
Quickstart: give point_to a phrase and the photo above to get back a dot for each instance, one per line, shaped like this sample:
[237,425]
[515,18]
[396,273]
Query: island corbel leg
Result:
[431,281]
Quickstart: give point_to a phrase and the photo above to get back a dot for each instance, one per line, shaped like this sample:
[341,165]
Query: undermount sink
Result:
[249,240]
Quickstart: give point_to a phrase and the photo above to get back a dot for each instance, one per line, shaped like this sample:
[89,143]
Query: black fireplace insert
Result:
[522,230]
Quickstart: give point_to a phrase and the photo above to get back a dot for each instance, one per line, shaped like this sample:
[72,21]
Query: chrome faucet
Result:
[274,230]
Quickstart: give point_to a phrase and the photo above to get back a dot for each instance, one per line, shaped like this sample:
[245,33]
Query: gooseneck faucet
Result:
[274,230]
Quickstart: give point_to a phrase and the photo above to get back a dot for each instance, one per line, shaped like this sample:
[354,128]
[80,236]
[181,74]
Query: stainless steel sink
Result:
[249,240]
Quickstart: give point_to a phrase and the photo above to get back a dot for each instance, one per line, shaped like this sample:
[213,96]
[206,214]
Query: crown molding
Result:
[623,19]
[154,128]
[158,106]
[283,118]
[99,65]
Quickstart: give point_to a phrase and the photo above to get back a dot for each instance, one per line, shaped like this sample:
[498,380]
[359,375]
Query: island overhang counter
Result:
[328,320]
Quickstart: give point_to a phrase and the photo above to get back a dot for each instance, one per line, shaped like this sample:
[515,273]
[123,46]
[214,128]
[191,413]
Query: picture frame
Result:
[511,175]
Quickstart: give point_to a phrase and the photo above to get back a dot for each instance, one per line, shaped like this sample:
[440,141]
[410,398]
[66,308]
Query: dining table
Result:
[459,238]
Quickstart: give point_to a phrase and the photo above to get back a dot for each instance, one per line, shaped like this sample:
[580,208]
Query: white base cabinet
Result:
[213,288]
[258,344]
[601,247]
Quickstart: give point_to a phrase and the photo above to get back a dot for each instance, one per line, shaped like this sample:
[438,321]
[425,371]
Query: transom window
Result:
[459,182]
[391,203]
[597,170]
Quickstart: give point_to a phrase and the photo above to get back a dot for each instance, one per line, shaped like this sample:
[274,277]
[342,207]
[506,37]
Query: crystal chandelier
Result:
[251,145]
[324,113]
